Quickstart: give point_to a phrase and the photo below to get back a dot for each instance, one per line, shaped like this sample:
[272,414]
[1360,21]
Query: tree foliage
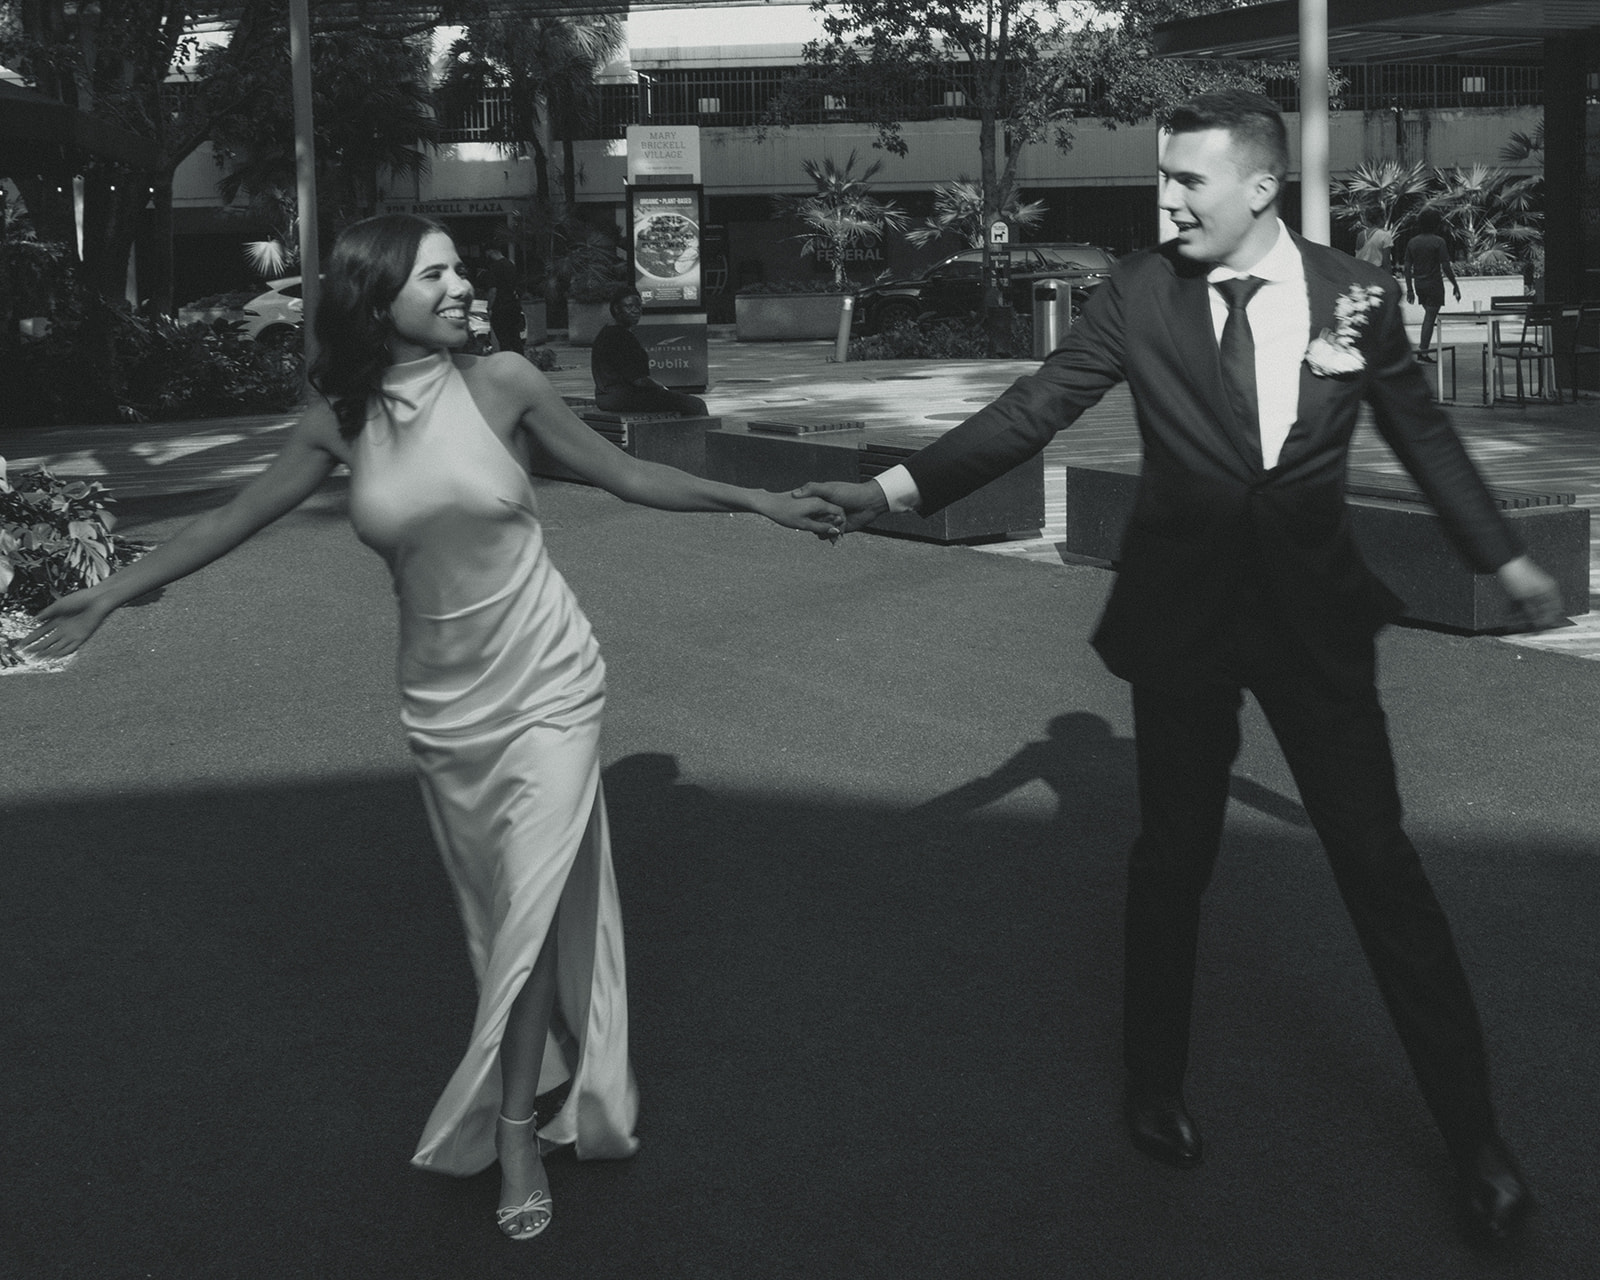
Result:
[958,212]
[841,213]
[1028,69]
[372,109]
[1379,194]
[545,69]
[113,59]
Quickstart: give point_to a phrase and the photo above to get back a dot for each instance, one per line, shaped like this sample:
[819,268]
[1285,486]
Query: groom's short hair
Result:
[1254,122]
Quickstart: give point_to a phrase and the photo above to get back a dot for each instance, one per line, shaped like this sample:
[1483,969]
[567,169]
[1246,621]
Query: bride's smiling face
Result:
[431,310]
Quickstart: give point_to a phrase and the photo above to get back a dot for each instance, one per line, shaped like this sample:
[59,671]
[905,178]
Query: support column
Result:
[1315,221]
[305,169]
[1565,185]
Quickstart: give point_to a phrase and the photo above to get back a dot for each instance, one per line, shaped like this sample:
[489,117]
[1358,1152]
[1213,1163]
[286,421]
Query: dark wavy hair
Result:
[1254,122]
[370,263]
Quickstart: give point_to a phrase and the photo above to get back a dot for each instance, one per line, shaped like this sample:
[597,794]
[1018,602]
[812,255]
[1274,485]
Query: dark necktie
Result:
[1239,363]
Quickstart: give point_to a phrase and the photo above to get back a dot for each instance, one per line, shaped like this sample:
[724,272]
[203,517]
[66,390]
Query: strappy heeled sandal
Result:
[539,1203]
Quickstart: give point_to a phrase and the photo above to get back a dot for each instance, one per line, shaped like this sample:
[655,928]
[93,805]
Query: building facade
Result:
[1102,190]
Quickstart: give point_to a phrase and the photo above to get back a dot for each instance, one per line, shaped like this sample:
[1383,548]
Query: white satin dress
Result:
[502,688]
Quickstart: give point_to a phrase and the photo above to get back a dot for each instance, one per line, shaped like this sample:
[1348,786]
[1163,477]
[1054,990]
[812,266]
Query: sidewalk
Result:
[1540,446]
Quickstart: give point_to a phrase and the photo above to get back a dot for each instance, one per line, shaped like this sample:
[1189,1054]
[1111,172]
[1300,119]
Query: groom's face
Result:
[1215,196]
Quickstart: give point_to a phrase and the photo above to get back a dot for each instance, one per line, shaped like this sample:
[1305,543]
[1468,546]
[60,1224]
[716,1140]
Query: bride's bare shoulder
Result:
[505,375]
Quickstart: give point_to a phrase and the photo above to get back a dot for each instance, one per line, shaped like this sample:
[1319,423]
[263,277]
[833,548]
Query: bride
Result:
[501,681]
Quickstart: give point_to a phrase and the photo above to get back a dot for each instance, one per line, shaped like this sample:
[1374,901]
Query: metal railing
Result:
[1426,86]
[740,96]
[481,122]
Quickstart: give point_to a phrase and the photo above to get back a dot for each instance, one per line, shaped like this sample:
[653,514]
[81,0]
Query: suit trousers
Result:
[1337,748]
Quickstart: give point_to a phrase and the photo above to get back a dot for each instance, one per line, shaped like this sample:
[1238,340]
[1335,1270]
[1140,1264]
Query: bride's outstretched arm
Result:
[303,464]
[569,440]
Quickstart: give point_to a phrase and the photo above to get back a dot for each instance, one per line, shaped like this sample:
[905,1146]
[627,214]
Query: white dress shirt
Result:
[1280,324]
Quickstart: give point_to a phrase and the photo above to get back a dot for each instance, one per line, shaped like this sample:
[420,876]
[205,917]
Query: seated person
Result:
[622,381]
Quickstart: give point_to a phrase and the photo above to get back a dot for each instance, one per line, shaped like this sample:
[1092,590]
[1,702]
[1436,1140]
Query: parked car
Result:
[274,317]
[954,286]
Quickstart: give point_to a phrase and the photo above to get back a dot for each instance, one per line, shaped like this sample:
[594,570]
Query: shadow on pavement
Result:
[871,1042]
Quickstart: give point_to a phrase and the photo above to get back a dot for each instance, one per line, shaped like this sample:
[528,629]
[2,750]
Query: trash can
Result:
[534,327]
[1052,315]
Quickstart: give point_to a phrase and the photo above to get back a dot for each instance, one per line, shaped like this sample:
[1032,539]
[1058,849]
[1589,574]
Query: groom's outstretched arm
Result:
[1007,432]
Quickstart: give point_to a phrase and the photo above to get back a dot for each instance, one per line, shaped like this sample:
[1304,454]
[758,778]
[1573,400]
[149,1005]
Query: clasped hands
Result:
[861,503]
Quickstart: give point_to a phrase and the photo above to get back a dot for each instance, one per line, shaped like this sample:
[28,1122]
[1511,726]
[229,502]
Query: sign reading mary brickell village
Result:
[663,153]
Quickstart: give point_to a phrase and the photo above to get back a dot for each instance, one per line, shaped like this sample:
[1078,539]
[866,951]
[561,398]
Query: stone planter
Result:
[584,320]
[1479,289]
[786,317]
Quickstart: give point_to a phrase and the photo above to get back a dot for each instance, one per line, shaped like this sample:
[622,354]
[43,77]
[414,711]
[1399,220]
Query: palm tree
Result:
[1524,146]
[1381,196]
[544,70]
[958,211]
[1492,216]
[373,114]
[839,214]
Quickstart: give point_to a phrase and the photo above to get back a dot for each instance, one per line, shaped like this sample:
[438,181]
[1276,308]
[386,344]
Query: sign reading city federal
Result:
[659,153]
[664,232]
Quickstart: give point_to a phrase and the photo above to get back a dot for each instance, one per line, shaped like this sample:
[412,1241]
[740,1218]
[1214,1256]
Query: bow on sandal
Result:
[539,1205]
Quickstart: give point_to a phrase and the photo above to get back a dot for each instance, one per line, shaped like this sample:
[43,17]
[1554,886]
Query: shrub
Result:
[149,368]
[234,301]
[55,538]
[781,288]
[962,338]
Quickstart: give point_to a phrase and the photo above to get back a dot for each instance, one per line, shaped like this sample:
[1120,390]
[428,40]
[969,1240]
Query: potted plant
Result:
[1492,221]
[586,268]
[837,216]
[1380,197]
[789,310]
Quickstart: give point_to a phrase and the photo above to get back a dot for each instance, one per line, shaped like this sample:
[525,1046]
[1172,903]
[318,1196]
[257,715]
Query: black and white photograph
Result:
[800,639]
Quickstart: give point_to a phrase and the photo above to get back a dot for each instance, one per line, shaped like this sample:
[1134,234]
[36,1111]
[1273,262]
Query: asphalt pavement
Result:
[871,804]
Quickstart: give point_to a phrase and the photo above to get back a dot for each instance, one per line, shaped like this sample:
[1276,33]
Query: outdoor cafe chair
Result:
[1533,347]
[1585,341]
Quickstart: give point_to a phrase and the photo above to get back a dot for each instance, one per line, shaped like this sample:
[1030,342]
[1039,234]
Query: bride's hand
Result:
[64,625]
[813,515]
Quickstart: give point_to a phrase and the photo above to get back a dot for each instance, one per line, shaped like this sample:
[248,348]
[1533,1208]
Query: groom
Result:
[1248,352]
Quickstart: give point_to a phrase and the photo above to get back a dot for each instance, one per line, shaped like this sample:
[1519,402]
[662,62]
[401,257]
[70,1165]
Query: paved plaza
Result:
[870,804]
[1537,446]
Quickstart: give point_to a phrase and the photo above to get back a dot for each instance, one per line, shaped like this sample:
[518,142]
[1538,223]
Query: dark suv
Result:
[954,286]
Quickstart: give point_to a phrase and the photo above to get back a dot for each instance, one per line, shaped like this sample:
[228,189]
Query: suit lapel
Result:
[1322,291]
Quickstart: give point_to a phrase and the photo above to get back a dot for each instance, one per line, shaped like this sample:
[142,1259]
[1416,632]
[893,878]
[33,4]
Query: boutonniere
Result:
[1334,354]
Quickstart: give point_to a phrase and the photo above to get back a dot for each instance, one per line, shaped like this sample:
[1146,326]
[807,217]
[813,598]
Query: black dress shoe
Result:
[1161,1127]
[1494,1193]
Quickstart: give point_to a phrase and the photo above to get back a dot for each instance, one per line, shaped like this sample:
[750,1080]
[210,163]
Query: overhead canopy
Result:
[1497,31]
[35,129]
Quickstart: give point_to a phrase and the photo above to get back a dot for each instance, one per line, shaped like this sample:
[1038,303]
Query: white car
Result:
[273,318]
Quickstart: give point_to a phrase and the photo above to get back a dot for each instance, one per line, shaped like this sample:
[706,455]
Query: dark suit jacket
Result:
[1205,513]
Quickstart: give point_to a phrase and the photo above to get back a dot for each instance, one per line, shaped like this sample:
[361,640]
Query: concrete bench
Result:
[670,438]
[1400,536]
[783,456]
